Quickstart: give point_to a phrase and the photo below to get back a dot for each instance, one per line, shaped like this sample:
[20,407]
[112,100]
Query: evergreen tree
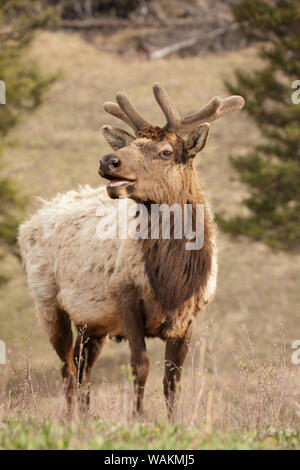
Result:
[25,86]
[271,169]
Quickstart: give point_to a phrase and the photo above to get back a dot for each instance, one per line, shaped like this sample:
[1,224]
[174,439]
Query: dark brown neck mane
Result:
[177,274]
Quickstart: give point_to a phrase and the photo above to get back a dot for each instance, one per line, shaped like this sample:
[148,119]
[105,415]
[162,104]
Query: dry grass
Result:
[58,148]
[254,414]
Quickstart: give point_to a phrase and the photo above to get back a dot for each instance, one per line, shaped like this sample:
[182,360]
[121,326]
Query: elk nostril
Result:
[114,163]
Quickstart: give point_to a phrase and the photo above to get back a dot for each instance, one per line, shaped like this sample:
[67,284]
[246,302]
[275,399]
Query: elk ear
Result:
[196,140]
[117,138]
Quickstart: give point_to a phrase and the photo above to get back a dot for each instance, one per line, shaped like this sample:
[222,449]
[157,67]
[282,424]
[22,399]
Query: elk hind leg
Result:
[87,349]
[58,326]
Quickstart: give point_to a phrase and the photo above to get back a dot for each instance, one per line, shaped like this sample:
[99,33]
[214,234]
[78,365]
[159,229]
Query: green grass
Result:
[33,433]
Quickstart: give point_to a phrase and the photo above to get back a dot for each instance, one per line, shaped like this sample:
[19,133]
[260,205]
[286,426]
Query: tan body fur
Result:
[70,268]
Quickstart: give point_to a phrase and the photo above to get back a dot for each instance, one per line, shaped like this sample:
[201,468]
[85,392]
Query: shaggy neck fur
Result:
[177,274]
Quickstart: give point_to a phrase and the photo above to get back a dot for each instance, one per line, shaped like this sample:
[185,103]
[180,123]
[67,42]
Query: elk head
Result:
[156,164]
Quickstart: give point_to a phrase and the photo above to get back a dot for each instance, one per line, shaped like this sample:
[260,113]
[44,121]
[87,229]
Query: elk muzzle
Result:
[111,168]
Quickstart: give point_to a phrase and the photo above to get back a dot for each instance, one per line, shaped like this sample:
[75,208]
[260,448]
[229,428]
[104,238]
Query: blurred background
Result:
[62,59]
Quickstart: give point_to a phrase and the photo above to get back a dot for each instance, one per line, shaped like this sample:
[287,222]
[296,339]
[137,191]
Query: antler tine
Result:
[231,104]
[215,109]
[115,110]
[125,111]
[205,114]
[137,121]
[167,106]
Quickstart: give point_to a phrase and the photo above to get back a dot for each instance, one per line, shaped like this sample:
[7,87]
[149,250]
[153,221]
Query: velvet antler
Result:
[215,109]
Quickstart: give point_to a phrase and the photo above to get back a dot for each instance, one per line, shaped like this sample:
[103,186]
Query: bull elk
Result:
[127,288]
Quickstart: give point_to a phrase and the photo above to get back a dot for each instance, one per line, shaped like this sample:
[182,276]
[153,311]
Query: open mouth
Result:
[117,181]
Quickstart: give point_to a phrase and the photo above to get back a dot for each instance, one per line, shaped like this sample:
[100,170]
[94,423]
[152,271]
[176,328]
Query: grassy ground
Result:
[35,434]
[58,148]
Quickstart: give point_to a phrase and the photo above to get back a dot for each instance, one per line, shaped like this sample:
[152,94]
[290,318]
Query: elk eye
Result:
[165,154]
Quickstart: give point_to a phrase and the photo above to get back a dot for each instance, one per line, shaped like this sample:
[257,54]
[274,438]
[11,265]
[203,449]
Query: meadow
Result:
[239,369]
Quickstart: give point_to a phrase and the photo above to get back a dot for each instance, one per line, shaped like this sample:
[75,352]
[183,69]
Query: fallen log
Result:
[175,47]
[106,22]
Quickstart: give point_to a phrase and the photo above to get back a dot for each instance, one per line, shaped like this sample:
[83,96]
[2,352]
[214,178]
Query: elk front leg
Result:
[132,319]
[176,351]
